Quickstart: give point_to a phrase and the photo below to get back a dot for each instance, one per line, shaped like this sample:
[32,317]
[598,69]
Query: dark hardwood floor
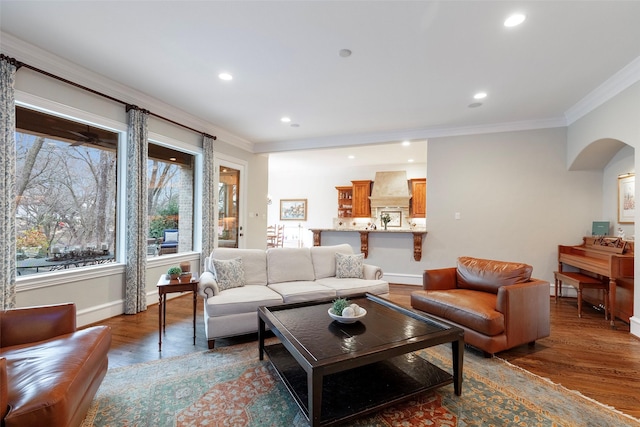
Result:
[582,354]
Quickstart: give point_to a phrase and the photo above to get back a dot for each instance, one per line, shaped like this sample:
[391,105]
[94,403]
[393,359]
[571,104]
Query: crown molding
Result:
[620,81]
[44,60]
[39,58]
[340,141]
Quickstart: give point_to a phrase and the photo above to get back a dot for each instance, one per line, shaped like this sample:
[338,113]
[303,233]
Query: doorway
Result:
[229,230]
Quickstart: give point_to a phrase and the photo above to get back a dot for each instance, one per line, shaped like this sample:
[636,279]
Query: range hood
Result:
[390,189]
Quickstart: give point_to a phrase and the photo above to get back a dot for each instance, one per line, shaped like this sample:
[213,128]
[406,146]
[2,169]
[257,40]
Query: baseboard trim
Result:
[100,312]
[403,279]
[634,324]
[566,291]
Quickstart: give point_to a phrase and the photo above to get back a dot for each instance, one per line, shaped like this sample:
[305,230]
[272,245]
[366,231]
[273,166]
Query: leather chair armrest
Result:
[31,324]
[4,397]
[371,272]
[439,279]
[207,286]
[526,310]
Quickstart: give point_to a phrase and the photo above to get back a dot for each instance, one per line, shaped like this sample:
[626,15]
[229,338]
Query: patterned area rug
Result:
[231,387]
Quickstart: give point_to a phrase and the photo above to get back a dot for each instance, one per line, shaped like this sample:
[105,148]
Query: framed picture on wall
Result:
[626,198]
[293,209]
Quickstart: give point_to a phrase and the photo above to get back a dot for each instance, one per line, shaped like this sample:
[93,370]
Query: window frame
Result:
[34,281]
[196,152]
[55,278]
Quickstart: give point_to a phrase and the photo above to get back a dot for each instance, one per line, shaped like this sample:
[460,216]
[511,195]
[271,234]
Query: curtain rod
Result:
[128,106]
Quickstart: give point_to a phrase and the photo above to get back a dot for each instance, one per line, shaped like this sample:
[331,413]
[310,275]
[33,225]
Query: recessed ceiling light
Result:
[225,76]
[480,95]
[173,159]
[514,20]
[406,143]
[351,156]
[345,53]
[285,120]
[410,160]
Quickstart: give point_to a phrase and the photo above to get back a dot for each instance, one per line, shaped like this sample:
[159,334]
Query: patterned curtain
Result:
[7,184]
[208,199]
[135,292]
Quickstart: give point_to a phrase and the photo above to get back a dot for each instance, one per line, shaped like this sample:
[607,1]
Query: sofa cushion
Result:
[473,309]
[50,382]
[489,275]
[289,264]
[229,273]
[349,266]
[254,262]
[246,299]
[302,291]
[324,259]
[350,287]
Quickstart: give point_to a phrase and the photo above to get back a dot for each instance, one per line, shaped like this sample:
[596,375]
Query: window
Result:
[66,193]
[170,200]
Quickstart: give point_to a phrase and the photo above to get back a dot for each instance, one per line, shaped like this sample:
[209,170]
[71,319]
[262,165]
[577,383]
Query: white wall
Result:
[516,199]
[99,291]
[316,182]
[619,119]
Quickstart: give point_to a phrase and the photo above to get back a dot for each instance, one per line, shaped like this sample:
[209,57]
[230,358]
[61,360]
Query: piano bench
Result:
[581,281]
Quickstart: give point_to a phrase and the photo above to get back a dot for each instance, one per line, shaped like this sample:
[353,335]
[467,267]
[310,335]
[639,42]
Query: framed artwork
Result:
[626,198]
[396,218]
[293,209]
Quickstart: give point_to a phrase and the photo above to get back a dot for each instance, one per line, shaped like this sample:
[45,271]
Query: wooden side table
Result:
[166,286]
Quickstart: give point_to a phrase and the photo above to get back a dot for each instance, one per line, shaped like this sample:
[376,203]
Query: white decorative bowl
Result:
[342,319]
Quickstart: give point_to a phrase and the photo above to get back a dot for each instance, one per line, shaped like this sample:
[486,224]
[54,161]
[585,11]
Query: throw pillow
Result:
[229,273]
[349,266]
[171,236]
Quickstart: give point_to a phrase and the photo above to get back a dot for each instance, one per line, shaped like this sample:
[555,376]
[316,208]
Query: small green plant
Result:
[174,271]
[339,305]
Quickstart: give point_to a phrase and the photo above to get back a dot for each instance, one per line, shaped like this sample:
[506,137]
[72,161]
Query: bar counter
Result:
[364,238]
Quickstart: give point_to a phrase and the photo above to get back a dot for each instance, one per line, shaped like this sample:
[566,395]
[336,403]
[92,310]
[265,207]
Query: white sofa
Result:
[277,276]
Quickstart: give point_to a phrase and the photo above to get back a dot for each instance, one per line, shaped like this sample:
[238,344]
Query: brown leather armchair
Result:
[49,370]
[497,303]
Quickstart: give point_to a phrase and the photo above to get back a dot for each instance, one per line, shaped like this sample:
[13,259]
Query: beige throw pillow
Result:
[349,266]
[229,273]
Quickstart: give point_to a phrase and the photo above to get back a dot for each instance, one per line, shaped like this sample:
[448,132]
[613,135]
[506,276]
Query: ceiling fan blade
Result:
[78,134]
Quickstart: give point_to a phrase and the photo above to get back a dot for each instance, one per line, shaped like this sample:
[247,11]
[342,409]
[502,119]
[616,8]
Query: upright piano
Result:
[609,258]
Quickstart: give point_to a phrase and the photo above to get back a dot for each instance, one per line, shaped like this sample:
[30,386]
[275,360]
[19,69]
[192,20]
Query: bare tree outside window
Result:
[66,193]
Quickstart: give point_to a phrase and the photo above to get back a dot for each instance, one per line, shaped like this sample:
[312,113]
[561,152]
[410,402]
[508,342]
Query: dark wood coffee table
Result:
[340,371]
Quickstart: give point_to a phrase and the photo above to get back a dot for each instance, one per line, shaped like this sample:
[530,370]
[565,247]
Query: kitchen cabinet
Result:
[361,191]
[419,198]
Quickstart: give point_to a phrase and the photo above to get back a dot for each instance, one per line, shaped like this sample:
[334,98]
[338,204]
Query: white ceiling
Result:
[414,69]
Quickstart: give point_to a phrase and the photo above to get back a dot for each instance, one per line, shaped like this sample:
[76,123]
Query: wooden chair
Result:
[272,236]
[275,236]
[280,236]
